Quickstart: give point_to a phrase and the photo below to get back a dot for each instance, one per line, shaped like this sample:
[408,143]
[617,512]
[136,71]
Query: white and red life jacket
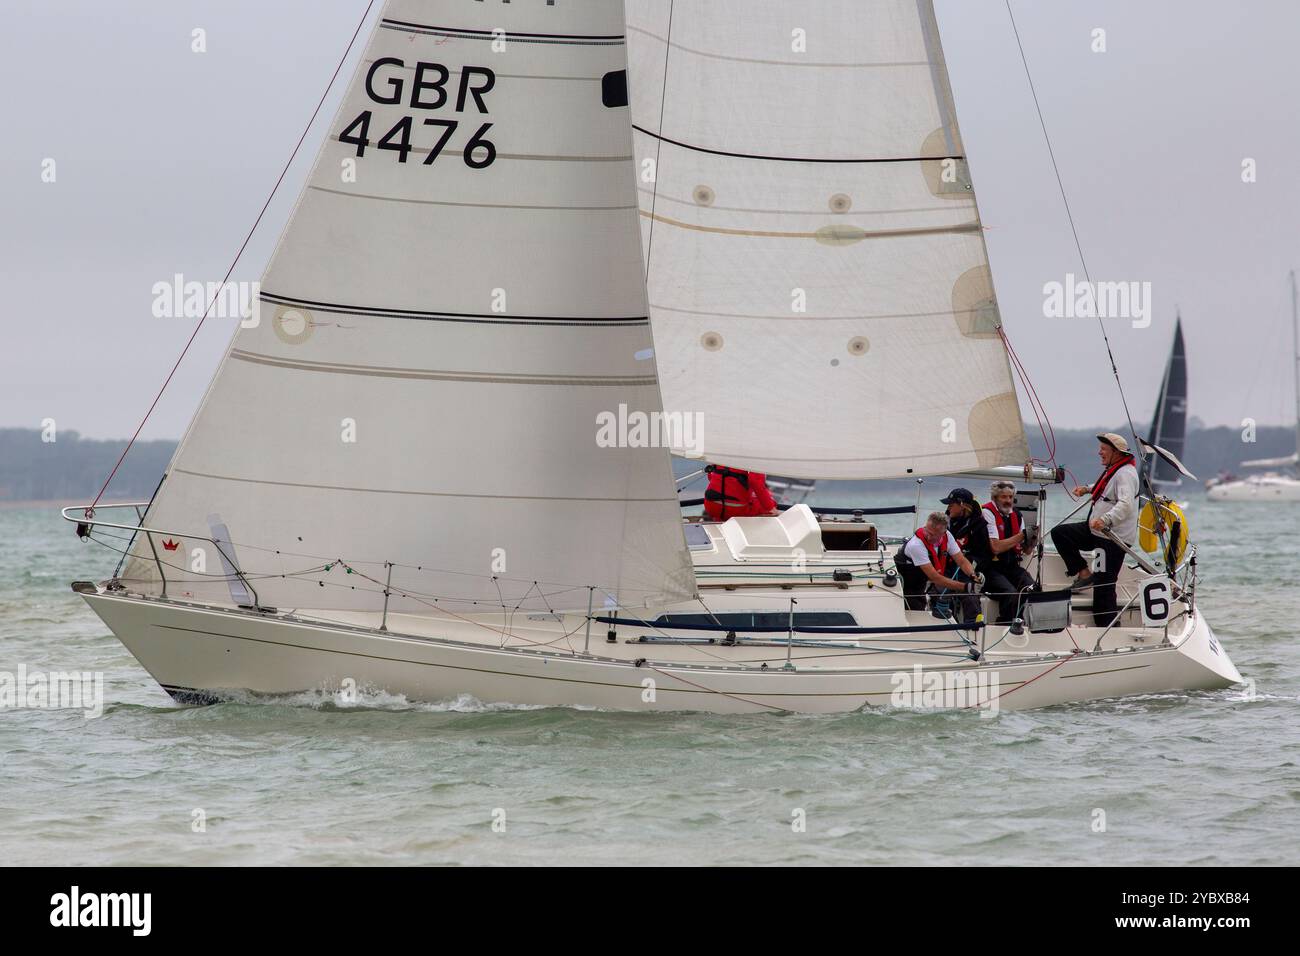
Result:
[1099,488]
[1008,525]
[939,554]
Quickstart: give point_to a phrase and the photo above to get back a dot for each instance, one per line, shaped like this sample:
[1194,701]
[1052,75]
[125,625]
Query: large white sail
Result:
[818,281]
[442,326]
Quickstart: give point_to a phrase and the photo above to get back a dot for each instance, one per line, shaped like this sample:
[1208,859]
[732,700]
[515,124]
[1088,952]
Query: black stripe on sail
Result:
[476,318]
[508,34]
[792,159]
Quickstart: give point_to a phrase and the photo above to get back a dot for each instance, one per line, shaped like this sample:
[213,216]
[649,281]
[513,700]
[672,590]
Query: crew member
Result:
[1113,509]
[924,562]
[968,527]
[966,522]
[733,493]
[1004,579]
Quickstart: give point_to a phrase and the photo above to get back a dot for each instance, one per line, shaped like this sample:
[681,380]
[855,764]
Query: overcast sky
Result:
[164,158]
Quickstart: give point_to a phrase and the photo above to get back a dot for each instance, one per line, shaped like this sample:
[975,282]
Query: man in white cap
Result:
[1114,509]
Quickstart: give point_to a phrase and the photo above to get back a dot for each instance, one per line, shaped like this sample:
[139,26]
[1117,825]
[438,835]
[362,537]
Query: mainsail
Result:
[1169,424]
[454,305]
[819,287]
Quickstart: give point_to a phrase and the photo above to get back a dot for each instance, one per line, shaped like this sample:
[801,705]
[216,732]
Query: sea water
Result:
[1178,778]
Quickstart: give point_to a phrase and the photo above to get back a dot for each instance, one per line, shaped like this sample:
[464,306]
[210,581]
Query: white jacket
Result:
[1118,506]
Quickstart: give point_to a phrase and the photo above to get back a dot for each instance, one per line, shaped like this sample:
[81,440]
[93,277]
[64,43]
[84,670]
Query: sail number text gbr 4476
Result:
[428,93]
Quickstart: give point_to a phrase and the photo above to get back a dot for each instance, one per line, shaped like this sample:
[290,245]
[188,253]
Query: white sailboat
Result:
[396,478]
[1269,486]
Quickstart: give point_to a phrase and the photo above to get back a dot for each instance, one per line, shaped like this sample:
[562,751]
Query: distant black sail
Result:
[1169,425]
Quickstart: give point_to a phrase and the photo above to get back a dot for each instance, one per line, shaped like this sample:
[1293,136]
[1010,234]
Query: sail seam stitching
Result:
[466,34]
[439,374]
[848,236]
[426,494]
[471,205]
[782,63]
[475,318]
[793,159]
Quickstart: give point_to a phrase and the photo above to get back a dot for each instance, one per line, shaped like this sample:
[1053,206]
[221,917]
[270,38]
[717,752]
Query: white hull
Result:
[1265,488]
[198,652]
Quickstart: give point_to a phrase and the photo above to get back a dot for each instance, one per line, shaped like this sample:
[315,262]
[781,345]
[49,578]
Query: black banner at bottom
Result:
[215,906]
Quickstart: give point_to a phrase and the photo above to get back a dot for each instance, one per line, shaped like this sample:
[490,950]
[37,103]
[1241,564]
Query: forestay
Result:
[456,300]
[819,287]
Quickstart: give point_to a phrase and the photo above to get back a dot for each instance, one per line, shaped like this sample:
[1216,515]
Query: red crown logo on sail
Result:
[170,545]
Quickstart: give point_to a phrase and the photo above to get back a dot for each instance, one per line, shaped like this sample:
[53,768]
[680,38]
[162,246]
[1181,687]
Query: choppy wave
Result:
[370,698]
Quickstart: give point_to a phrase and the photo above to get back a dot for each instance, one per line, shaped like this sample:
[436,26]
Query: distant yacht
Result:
[1169,423]
[1271,485]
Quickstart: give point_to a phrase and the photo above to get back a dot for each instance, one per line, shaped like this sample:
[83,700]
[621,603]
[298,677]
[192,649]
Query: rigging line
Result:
[663,103]
[1040,412]
[248,238]
[1032,679]
[650,625]
[1078,245]
[507,634]
[505,612]
[1070,634]
[429,569]
[707,610]
[205,576]
[435,605]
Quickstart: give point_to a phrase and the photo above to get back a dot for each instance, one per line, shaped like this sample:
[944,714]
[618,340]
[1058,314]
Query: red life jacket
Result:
[745,496]
[1008,525]
[1099,488]
[938,558]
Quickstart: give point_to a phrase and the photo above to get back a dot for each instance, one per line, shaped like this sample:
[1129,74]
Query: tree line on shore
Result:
[72,468]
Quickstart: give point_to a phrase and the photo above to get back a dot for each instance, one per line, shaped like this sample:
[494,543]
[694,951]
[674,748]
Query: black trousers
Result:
[917,587]
[1070,539]
[1005,581]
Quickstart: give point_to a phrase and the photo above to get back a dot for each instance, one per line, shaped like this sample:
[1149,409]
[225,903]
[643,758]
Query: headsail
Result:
[819,287]
[455,301]
[1169,424]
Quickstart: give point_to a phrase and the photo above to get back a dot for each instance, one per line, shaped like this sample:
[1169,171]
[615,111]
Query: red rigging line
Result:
[90,511]
[1040,412]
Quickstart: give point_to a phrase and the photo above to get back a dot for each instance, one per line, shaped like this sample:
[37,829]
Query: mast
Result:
[1295,344]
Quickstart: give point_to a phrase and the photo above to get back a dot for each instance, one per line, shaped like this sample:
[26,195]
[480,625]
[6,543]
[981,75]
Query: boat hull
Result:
[1266,490]
[203,653]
